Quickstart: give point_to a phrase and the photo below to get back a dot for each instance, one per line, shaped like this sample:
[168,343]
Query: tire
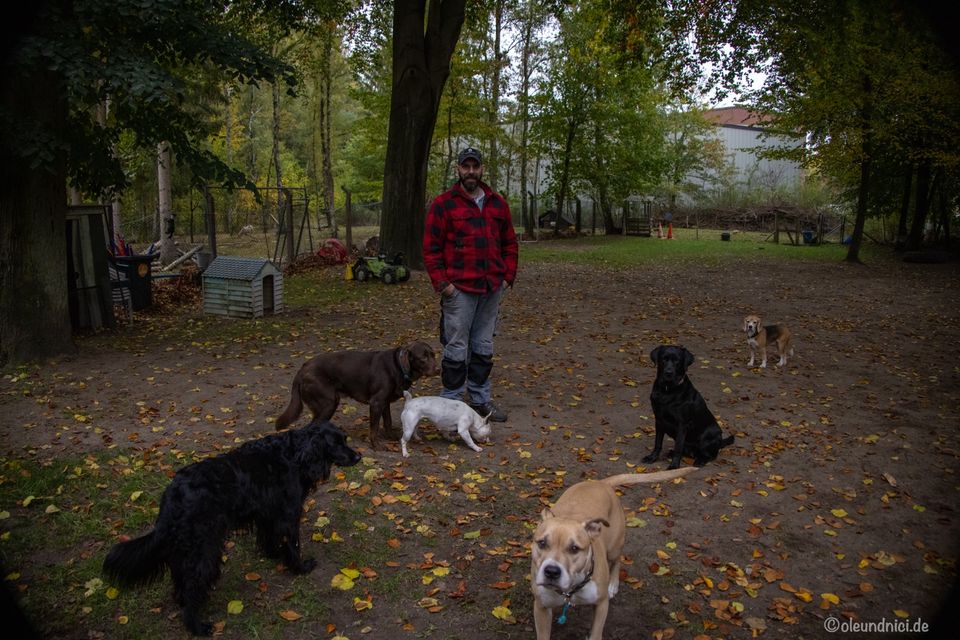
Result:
[388,276]
[404,275]
[361,274]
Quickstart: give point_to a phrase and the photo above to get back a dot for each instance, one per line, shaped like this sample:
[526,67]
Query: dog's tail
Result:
[407,395]
[647,478]
[726,442]
[292,412]
[136,562]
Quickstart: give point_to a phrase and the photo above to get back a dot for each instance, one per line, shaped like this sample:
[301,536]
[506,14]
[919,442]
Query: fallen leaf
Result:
[289,615]
[234,607]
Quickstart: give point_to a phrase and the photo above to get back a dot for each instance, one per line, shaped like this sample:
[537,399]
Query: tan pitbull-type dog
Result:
[575,556]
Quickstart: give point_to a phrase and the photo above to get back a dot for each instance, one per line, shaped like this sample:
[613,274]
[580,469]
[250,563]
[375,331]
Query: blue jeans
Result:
[467,325]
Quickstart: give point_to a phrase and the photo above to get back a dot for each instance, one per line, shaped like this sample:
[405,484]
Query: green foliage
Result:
[143,59]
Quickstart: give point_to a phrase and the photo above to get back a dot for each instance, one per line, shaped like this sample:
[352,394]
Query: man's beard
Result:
[470,182]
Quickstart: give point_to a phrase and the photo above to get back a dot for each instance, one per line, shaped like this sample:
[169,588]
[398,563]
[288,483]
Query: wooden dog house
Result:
[242,287]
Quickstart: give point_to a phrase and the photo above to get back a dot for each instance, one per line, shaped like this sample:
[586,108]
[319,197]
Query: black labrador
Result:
[681,412]
[261,484]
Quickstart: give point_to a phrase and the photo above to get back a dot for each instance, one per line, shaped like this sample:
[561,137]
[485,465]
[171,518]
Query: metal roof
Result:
[234,268]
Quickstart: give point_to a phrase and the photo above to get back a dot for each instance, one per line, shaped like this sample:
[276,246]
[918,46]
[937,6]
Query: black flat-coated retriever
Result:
[261,484]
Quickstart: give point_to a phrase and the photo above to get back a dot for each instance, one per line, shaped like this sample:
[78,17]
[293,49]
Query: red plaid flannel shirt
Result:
[472,249]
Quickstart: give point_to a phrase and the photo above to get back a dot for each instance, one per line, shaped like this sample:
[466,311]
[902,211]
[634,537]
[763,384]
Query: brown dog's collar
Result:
[401,355]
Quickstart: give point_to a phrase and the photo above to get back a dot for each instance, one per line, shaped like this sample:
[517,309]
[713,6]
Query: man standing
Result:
[470,252]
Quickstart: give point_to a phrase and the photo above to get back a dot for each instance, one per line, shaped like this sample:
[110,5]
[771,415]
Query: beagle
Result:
[759,336]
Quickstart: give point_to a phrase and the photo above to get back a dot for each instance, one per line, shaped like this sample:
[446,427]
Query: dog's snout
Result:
[552,572]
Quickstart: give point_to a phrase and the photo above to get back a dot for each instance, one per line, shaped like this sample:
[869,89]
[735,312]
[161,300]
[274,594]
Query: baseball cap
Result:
[468,153]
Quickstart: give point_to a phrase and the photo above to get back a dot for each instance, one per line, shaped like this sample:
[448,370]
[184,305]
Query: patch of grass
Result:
[707,249]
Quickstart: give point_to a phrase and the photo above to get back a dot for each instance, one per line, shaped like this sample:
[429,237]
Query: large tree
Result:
[75,55]
[425,35]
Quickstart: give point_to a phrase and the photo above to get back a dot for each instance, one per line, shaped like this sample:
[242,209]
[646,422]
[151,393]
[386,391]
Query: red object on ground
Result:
[333,251]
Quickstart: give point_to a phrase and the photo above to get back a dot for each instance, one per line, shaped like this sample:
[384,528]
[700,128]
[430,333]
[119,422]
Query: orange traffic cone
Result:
[660,231]
[670,231]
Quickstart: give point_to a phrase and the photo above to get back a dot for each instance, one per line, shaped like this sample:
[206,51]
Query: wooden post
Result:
[210,219]
[776,227]
[348,207]
[577,225]
[288,215]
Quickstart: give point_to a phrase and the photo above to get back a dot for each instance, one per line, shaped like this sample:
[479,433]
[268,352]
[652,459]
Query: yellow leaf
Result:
[502,613]
[290,615]
[471,535]
[441,571]
[804,595]
[636,522]
[123,620]
[919,508]
[840,513]
[427,579]
[426,603]
[234,607]
[4,515]
[26,501]
[872,438]
[52,508]
[135,495]
[112,593]
[341,582]
[362,605]
[350,572]
[831,598]
[900,613]
[524,454]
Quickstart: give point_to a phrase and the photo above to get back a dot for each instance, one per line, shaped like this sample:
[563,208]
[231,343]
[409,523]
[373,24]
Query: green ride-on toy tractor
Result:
[389,271]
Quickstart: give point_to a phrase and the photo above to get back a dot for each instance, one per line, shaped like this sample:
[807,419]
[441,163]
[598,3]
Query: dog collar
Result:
[400,355]
[567,595]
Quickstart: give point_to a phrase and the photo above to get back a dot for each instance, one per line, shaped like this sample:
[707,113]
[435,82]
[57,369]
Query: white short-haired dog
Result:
[448,415]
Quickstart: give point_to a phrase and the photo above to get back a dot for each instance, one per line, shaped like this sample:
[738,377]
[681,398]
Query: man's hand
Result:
[448,290]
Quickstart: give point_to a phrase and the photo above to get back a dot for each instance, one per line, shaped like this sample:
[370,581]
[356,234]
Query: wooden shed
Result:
[242,287]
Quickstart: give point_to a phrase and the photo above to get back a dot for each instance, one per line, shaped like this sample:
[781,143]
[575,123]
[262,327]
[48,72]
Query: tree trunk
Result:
[34,307]
[901,242]
[276,153]
[921,206]
[866,162]
[326,130]
[565,171]
[525,73]
[168,250]
[493,115]
[421,65]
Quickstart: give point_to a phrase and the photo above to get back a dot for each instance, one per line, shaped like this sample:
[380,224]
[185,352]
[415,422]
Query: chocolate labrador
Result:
[681,411]
[376,378]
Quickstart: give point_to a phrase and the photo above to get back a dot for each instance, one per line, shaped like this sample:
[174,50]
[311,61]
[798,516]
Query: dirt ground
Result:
[838,499]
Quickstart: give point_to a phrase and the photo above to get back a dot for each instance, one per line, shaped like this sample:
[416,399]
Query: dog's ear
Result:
[744,324]
[311,453]
[546,514]
[595,526]
[655,355]
[687,358]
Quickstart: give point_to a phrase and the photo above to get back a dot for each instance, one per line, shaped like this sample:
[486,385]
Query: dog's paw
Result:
[673,465]
[650,458]
[306,566]
[477,448]
[204,629]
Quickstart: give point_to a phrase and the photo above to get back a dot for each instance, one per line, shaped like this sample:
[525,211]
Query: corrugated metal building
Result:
[242,287]
[744,135]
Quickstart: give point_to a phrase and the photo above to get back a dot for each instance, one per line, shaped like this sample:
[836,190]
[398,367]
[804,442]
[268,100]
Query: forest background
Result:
[143,104]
